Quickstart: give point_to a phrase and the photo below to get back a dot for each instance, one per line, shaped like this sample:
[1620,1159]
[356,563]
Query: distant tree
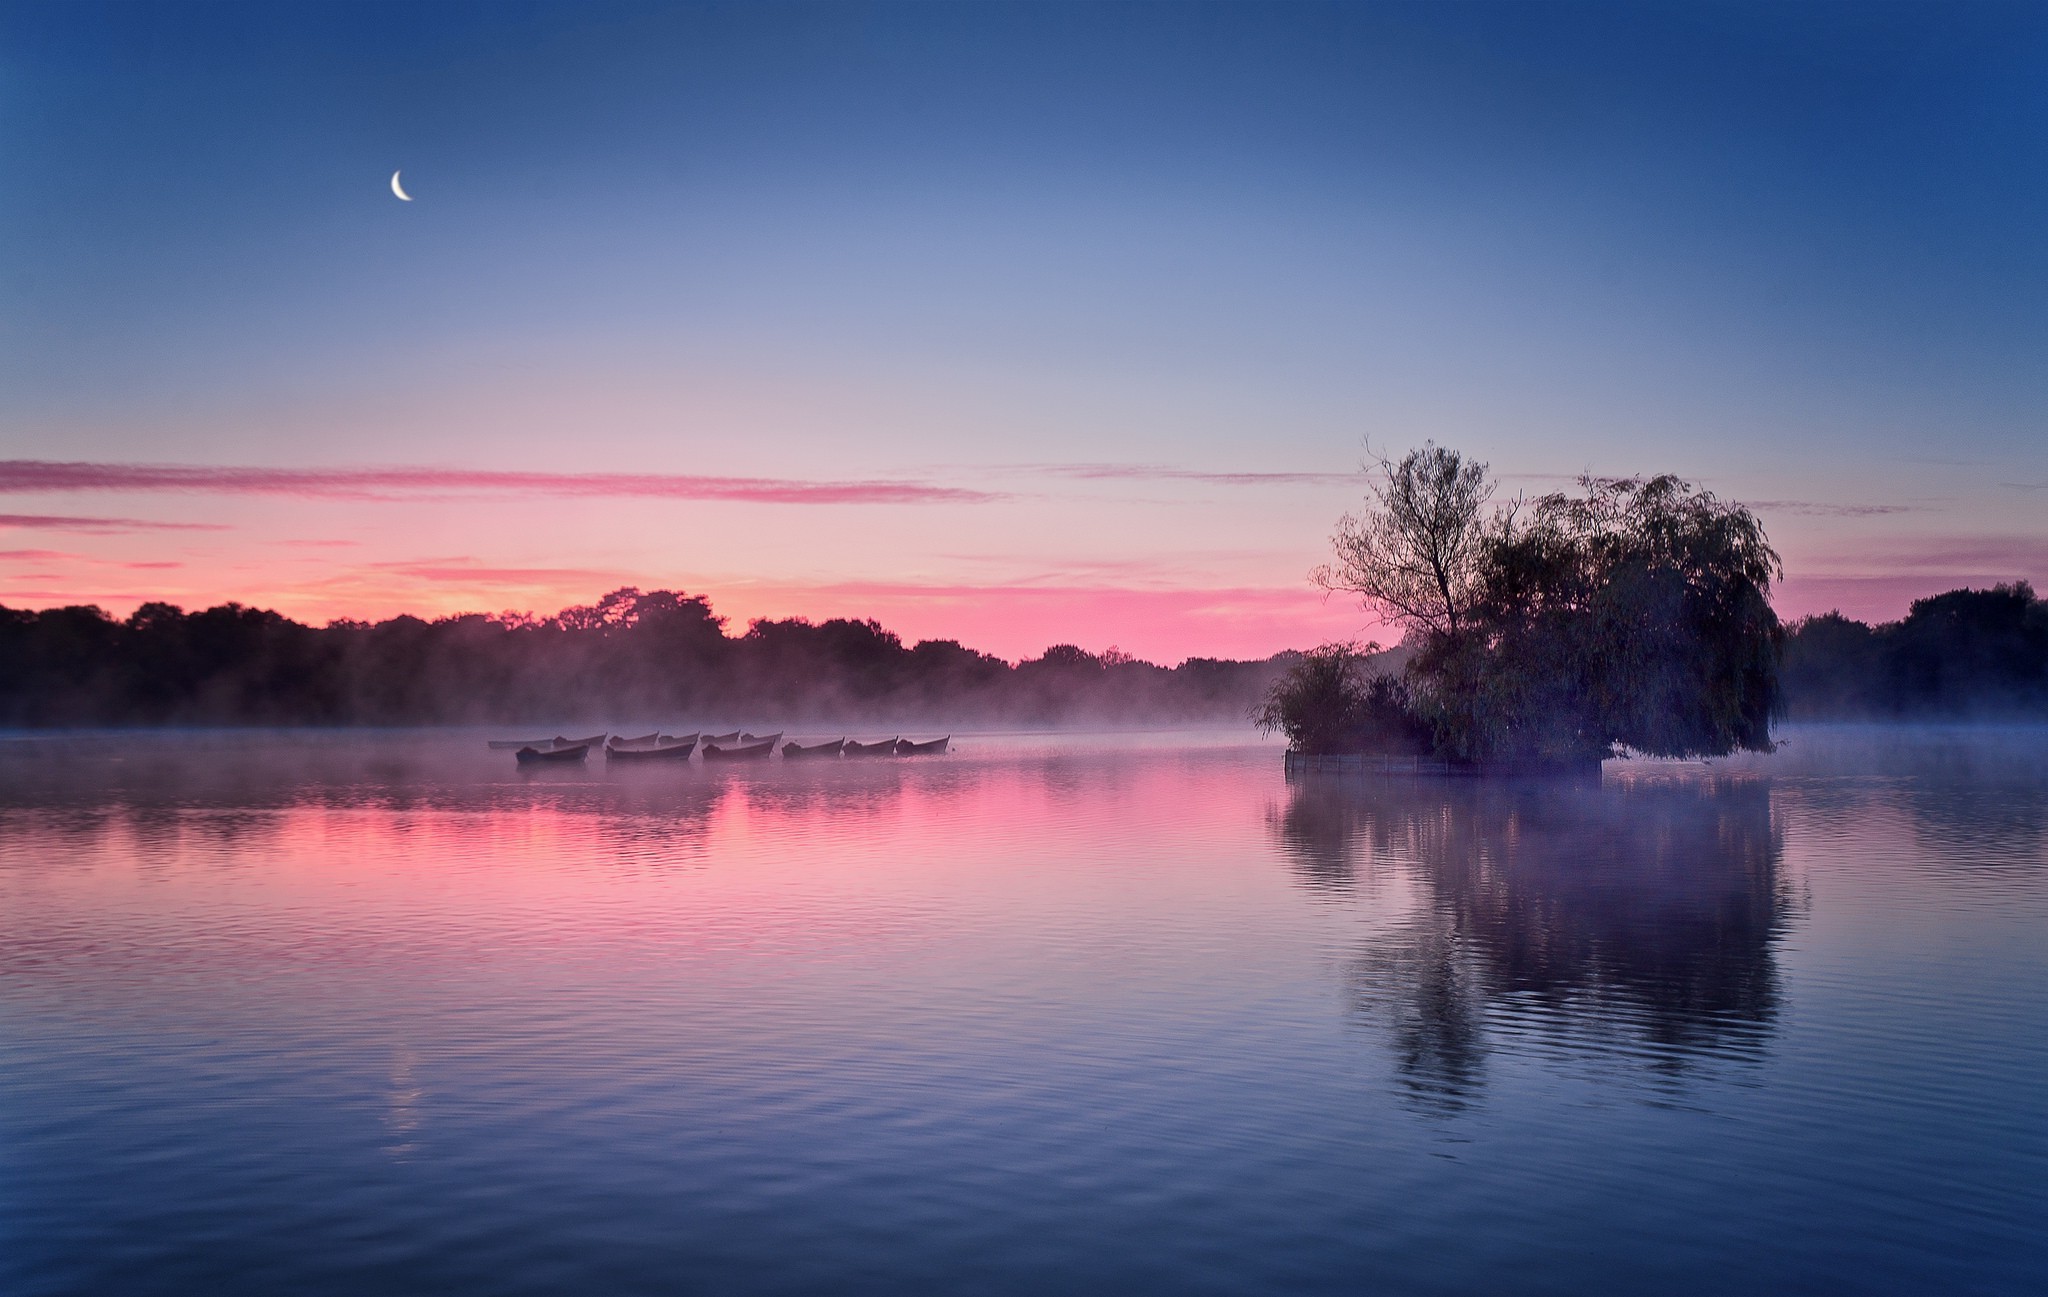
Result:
[1327,701]
[1834,666]
[1960,653]
[1417,554]
[1970,650]
[631,657]
[1067,657]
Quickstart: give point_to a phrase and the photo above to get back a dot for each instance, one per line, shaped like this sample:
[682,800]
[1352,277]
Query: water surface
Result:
[348,1013]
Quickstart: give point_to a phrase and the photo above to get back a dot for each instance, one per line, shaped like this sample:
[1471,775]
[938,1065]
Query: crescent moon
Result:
[399,189]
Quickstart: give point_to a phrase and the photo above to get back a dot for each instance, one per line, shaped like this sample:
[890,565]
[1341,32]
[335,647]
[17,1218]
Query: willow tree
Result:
[1632,615]
[1417,552]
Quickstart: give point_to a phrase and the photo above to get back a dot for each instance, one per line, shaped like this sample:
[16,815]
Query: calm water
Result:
[314,1014]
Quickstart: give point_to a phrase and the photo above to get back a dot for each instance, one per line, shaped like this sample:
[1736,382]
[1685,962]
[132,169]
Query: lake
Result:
[348,1013]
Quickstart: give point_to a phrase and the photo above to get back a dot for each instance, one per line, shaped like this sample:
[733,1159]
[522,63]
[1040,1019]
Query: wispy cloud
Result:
[1168,473]
[1971,557]
[100,526]
[1820,509]
[27,475]
[467,571]
[31,555]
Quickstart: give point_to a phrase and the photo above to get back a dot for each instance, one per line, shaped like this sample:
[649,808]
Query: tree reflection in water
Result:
[1630,920]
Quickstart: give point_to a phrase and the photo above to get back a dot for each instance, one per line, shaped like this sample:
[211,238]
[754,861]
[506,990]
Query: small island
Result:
[1541,636]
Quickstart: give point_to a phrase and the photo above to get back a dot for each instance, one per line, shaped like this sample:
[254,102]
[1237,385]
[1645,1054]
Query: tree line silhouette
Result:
[1977,653]
[630,656]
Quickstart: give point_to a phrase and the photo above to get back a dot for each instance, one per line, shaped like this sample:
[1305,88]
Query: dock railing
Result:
[1359,763]
[1364,763]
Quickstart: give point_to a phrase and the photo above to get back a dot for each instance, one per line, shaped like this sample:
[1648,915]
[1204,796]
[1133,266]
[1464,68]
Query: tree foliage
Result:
[632,656]
[1330,701]
[1417,553]
[1632,615]
[1980,653]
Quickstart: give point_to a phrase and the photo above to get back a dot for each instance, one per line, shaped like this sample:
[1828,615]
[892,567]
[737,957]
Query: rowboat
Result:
[750,739]
[752,752]
[886,748]
[791,751]
[644,741]
[733,737]
[677,751]
[543,745]
[573,752]
[905,748]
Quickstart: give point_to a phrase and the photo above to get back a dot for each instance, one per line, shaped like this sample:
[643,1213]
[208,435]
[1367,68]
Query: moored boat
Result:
[643,741]
[751,739]
[555,752]
[722,740]
[668,749]
[885,748]
[905,748]
[752,752]
[791,751]
[594,740]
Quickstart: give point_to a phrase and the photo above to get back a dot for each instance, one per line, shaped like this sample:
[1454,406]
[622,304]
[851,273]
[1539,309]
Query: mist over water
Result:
[331,1012]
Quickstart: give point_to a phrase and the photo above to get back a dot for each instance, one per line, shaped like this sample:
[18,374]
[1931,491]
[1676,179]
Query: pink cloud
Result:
[53,596]
[1167,473]
[26,475]
[2001,558]
[32,555]
[473,572]
[1821,509]
[100,526]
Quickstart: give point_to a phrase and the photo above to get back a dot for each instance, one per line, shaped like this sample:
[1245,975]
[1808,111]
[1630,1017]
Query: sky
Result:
[1016,325]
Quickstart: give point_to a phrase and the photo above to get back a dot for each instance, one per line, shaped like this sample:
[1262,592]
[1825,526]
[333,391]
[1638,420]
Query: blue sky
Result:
[1792,251]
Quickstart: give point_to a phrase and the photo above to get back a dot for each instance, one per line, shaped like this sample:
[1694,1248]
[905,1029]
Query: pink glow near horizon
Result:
[1161,562]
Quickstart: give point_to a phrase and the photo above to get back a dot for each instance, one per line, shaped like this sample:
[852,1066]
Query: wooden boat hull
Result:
[533,756]
[754,752]
[723,740]
[650,743]
[792,751]
[885,748]
[905,748]
[673,752]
